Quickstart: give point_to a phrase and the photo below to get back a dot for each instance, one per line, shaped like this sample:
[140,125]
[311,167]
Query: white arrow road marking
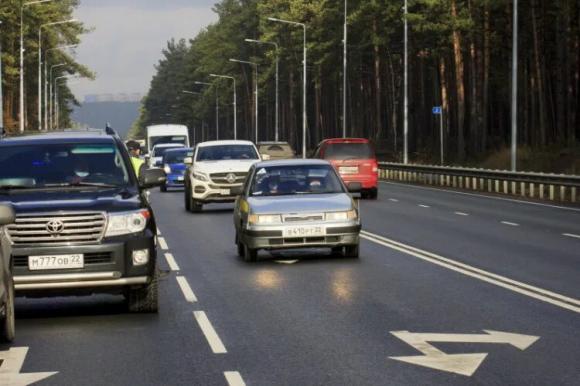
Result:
[11,362]
[463,364]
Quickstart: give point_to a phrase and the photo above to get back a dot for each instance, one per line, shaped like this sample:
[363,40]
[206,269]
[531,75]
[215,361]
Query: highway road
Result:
[450,289]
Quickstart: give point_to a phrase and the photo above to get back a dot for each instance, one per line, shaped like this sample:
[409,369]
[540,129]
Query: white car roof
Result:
[224,143]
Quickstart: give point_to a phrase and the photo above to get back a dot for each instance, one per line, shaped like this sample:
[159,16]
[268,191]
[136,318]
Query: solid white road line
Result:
[424,206]
[212,337]
[171,261]
[234,378]
[186,289]
[162,243]
[571,235]
[483,196]
[468,270]
[511,224]
[393,200]
[158,231]
[461,214]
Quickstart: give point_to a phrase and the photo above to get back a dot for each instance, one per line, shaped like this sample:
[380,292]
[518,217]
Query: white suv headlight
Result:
[167,169]
[125,223]
[341,216]
[255,219]
[200,176]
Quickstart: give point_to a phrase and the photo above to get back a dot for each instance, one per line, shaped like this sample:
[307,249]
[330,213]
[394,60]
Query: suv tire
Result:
[163,188]
[187,198]
[240,246]
[352,251]
[145,299]
[196,206]
[250,254]
[7,329]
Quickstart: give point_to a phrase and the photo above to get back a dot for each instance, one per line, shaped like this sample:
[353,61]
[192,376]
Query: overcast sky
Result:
[128,38]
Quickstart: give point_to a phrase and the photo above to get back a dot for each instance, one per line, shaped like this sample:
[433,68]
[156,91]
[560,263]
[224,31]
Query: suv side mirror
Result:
[188,161]
[7,215]
[237,190]
[355,187]
[151,178]
[266,157]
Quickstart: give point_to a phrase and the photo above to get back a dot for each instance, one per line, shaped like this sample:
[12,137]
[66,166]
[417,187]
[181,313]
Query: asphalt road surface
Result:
[450,289]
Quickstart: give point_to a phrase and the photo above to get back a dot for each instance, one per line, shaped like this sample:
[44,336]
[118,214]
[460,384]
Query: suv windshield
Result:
[53,165]
[177,156]
[296,179]
[169,139]
[160,151]
[344,151]
[227,152]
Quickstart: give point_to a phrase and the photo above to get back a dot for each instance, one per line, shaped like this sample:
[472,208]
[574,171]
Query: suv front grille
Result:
[57,228]
[225,178]
[89,258]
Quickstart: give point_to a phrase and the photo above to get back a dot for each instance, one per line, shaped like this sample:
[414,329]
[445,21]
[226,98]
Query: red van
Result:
[355,161]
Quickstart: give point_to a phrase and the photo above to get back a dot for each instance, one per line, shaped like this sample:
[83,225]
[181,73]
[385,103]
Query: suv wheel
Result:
[7,329]
[196,207]
[352,251]
[163,188]
[373,193]
[187,200]
[240,246]
[145,299]
[250,254]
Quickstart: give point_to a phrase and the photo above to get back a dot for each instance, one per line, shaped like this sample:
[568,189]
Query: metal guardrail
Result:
[560,187]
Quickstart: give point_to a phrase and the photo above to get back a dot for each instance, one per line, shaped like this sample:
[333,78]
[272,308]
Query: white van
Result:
[167,134]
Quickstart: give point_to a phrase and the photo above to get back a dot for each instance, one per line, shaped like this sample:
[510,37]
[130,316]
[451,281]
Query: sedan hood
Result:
[240,166]
[301,204]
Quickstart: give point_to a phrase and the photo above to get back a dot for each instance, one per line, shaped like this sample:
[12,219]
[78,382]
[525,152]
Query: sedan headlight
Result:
[264,219]
[341,216]
[167,169]
[200,176]
[125,223]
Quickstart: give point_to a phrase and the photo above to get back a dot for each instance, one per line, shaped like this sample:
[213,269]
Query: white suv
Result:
[216,168]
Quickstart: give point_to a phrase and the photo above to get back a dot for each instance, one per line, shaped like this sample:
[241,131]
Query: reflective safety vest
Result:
[137,165]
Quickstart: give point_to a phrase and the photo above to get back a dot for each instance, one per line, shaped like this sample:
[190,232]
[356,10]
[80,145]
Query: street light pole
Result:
[344,70]
[515,89]
[51,99]
[304,80]
[48,84]
[192,93]
[277,134]
[1,96]
[21,107]
[406,90]
[235,102]
[255,65]
[217,107]
[40,65]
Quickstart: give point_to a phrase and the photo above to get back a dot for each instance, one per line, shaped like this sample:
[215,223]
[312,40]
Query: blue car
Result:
[175,167]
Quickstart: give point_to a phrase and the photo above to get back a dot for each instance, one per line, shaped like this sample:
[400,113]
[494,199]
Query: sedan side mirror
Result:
[355,187]
[7,215]
[151,178]
[237,190]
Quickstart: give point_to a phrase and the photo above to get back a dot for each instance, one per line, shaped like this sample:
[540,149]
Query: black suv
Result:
[83,221]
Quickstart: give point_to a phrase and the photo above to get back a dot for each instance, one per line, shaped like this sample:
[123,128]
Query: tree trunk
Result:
[444,93]
[486,65]
[539,78]
[460,86]
[378,91]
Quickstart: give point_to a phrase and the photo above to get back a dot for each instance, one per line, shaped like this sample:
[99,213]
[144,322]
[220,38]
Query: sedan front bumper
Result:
[336,235]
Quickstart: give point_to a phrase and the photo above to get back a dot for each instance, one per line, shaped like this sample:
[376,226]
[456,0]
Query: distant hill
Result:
[120,115]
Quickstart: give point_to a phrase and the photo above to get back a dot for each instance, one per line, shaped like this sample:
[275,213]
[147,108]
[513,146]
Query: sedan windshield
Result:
[227,152]
[160,151]
[54,165]
[177,156]
[295,180]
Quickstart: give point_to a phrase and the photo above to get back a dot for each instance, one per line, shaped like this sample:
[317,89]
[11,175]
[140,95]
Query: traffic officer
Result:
[135,152]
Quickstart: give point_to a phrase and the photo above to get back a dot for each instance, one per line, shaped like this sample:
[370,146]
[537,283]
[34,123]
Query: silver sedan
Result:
[296,204]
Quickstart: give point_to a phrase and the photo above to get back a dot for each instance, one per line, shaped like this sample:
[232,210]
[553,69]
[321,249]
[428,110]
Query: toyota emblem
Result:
[55,227]
[231,178]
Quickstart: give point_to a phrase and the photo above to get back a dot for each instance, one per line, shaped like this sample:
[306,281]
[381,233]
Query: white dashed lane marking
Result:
[171,261]
[210,334]
[186,289]
[511,224]
[234,378]
[571,235]
[461,214]
[424,206]
[393,200]
[162,243]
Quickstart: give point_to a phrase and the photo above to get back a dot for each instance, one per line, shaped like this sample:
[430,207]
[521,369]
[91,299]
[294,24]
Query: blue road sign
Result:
[437,110]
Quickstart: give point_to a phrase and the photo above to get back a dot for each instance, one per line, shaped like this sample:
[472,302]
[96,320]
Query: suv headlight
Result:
[125,223]
[200,176]
[264,219]
[167,169]
[341,216]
